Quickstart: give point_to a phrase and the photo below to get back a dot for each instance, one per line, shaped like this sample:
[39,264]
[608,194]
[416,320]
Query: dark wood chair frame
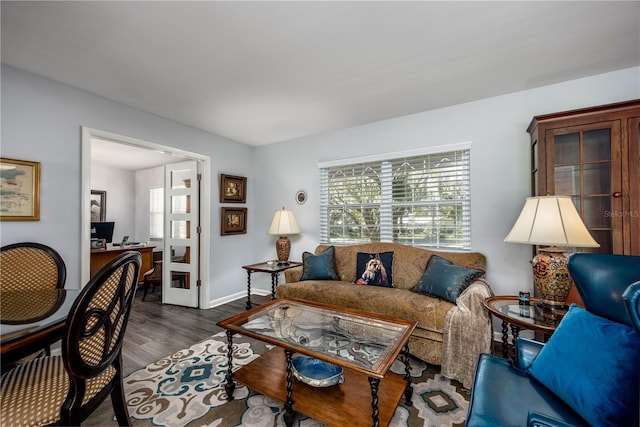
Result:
[73,411]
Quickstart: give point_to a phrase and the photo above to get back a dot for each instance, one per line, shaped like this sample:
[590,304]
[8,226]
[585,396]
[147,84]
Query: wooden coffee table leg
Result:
[408,392]
[229,385]
[289,415]
[375,382]
[248,306]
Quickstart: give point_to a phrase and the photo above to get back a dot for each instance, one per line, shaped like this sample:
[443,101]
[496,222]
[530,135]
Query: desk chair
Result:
[66,389]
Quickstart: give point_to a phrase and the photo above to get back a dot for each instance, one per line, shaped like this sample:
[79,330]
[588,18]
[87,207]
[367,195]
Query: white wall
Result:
[41,121]
[121,201]
[500,163]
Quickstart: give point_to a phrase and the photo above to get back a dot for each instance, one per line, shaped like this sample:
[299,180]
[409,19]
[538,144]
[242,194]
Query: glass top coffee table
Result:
[364,344]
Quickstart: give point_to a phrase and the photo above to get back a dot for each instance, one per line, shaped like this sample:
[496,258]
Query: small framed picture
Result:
[301,196]
[98,205]
[233,189]
[19,190]
[98,243]
[233,221]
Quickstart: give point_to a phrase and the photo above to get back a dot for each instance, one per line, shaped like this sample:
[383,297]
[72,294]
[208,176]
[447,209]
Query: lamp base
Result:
[552,278]
[283,248]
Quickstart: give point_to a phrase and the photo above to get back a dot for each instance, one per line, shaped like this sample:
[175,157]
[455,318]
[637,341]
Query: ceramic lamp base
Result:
[283,248]
[552,278]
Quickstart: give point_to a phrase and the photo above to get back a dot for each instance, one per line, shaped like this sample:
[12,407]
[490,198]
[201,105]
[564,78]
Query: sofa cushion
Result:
[374,269]
[445,280]
[319,267]
[591,363]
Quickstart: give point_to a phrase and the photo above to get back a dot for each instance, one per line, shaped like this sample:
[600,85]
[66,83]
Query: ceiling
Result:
[264,72]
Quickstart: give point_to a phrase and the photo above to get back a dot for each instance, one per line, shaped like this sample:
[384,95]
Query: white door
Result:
[181,255]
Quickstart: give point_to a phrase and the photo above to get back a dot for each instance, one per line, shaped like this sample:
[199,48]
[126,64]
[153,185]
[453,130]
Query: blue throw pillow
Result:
[319,267]
[592,364]
[443,279]
[374,269]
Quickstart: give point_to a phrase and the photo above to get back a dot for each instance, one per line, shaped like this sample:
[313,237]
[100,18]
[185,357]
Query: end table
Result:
[534,317]
[267,267]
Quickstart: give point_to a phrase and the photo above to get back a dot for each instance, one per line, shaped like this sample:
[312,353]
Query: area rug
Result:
[187,389]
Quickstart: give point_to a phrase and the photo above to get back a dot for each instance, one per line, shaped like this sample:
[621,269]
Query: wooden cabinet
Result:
[100,257]
[593,155]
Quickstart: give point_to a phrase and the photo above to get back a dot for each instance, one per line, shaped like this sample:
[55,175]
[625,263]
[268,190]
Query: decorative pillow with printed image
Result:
[374,269]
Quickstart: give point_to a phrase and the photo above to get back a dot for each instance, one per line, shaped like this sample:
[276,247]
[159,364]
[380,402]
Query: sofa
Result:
[587,373]
[449,334]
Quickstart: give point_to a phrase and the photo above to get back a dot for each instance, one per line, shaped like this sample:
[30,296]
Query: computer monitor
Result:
[102,230]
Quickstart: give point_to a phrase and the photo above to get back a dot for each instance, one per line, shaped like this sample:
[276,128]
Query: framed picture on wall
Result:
[233,221]
[98,205]
[19,190]
[233,189]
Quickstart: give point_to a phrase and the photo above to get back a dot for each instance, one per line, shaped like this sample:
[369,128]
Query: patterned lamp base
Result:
[552,277]
[283,248]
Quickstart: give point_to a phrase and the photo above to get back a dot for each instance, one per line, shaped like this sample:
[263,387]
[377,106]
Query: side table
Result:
[267,267]
[534,317]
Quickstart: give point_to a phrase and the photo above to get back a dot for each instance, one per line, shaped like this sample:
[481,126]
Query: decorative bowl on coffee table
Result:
[316,372]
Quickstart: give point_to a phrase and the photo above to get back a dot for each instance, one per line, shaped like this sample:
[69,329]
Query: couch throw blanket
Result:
[468,332]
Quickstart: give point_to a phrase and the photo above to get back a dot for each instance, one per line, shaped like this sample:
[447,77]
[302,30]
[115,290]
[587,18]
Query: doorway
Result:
[164,155]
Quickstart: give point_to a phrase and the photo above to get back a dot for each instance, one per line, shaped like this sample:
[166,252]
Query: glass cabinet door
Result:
[579,164]
[632,244]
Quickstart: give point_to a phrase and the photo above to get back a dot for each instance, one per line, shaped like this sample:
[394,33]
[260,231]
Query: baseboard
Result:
[238,295]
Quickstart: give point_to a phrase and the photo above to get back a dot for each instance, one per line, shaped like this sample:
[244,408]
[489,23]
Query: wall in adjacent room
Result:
[500,164]
[120,206]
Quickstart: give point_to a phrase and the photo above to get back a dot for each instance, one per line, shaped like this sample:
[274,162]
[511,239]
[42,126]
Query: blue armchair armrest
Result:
[535,419]
[526,351]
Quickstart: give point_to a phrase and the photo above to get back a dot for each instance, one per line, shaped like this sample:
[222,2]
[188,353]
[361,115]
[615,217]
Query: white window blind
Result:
[156,213]
[419,200]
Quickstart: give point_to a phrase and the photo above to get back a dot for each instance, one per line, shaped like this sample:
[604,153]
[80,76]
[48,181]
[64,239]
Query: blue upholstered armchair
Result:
[588,373]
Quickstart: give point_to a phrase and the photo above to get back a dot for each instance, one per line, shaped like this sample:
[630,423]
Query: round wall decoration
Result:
[301,196]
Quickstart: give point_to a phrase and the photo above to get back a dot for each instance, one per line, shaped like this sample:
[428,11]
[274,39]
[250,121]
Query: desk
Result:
[30,320]
[534,317]
[100,257]
[264,267]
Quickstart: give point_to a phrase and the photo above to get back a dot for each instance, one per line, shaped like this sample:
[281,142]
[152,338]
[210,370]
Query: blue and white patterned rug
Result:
[187,389]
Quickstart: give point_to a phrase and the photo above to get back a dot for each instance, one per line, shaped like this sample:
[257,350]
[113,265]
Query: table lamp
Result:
[554,222]
[283,223]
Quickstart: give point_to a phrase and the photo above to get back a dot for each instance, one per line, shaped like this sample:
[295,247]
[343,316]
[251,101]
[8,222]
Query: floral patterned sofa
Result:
[448,334]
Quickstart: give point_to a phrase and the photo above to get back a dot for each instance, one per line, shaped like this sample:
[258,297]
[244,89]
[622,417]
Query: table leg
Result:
[375,382]
[274,284]
[248,306]
[505,340]
[408,392]
[289,415]
[229,385]
[515,333]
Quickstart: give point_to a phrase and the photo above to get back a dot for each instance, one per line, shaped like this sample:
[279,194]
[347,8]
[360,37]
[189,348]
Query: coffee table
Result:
[364,344]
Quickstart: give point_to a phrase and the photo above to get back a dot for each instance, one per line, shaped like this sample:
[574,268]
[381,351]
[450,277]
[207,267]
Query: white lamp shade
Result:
[283,223]
[552,221]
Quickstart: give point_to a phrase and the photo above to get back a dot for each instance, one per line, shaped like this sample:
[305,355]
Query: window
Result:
[418,199]
[156,213]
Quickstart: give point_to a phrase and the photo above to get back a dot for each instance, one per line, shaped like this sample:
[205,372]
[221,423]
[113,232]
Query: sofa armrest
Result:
[293,274]
[536,419]
[526,351]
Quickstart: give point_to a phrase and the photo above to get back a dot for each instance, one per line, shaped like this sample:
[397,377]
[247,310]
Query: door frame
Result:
[205,205]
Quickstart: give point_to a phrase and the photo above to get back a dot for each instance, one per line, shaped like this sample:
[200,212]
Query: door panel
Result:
[181,240]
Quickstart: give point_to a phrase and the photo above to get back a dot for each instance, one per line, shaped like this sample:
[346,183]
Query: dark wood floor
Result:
[156,330]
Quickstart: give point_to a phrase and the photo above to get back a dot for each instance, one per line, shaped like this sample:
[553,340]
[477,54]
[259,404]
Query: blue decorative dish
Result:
[315,372]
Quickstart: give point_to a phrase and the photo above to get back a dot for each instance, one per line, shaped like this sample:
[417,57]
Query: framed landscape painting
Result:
[19,190]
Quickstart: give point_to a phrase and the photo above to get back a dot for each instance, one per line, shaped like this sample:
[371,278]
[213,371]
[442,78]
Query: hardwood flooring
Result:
[156,330]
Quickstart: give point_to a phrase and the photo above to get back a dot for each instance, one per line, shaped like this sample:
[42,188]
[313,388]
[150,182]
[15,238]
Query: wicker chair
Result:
[66,389]
[31,266]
